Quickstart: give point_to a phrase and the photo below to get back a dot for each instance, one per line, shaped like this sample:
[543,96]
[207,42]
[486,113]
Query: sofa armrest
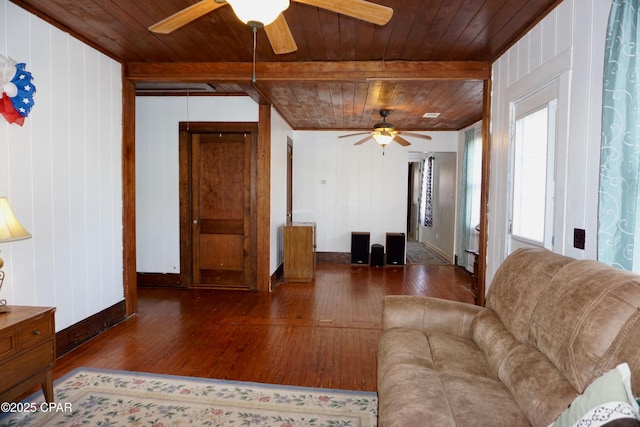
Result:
[428,315]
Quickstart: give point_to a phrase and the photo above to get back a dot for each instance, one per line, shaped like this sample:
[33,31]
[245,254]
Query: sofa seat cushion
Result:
[413,396]
[403,347]
[476,400]
[458,355]
[439,380]
[536,384]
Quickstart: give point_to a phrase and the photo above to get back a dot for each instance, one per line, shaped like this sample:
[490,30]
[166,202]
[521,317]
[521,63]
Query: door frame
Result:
[185,191]
[562,85]
[289,180]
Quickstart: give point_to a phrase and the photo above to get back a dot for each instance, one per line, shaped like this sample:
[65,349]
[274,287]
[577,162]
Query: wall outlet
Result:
[579,237]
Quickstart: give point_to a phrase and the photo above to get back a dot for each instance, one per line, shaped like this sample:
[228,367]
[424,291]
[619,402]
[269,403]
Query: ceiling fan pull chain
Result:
[255,35]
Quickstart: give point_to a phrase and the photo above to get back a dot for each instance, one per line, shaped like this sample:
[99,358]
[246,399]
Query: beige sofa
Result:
[551,326]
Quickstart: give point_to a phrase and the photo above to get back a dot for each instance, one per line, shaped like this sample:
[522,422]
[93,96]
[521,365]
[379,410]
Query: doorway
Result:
[218,194]
[431,202]
[413,200]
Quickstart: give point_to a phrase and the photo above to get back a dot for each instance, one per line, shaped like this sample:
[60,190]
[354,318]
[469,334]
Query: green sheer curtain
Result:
[620,152]
[466,194]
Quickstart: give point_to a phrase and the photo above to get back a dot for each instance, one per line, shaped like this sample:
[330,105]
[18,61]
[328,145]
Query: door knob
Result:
[196,221]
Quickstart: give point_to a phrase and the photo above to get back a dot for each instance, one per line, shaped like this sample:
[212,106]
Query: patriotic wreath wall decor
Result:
[17,88]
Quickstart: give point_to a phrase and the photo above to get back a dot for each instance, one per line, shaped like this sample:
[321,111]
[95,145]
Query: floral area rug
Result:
[90,397]
[419,253]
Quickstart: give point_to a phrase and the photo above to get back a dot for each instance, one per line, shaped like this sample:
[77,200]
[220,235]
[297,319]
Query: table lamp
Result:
[10,230]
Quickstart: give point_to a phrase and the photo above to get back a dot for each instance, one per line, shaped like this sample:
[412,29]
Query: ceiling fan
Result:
[384,132]
[268,14]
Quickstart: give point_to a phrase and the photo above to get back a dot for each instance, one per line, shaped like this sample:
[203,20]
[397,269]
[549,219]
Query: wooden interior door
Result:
[223,196]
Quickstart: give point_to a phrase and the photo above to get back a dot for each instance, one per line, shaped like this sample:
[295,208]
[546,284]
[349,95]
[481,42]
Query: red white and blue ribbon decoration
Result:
[16,84]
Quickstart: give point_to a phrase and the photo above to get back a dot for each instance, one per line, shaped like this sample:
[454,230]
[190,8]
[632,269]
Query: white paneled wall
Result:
[280,130]
[346,188]
[567,45]
[62,173]
[157,169]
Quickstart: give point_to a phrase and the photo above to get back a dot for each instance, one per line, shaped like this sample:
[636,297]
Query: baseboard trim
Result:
[277,276]
[78,333]
[439,251]
[155,280]
[335,257]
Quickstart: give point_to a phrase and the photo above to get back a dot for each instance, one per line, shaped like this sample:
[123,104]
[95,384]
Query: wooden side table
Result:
[299,251]
[27,351]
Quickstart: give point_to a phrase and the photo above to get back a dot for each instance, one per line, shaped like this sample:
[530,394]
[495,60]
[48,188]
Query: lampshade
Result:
[261,11]
[383,138]
[10,227]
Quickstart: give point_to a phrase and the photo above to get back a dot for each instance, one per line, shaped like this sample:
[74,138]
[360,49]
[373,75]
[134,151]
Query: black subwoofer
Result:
[360,248]
[395,248]
[377,255]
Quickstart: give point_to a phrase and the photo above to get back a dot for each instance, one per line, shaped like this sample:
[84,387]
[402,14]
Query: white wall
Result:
[62,173]
[346,188]
[568,45]
[280,130]
[157,169]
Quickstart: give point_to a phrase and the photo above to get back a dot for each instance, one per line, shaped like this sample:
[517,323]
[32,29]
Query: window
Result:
[469,204]
[476,180]
[529,186]
[532,180]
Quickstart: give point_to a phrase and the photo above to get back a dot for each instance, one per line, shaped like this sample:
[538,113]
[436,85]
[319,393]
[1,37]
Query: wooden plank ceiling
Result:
[432,56]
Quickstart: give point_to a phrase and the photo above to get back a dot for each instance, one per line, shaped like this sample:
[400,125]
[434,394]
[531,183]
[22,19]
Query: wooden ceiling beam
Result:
[255,93]
[241,72]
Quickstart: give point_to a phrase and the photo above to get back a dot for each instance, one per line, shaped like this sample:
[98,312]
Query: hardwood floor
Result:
[323,334]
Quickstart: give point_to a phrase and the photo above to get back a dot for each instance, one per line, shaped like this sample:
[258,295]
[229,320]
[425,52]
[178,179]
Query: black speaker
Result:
[360,248]
[377,255]
[395,248]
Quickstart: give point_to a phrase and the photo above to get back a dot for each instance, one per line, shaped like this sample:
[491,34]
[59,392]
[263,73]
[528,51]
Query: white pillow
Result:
[607,398]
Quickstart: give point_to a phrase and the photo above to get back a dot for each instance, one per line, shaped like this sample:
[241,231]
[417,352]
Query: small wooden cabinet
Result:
[27,351]
[299,252]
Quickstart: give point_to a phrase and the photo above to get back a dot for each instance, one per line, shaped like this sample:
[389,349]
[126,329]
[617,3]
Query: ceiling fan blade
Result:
[354,134]
[185,16]
[401,141]
[363,140]
[416,135]
[359,9]
[280,37]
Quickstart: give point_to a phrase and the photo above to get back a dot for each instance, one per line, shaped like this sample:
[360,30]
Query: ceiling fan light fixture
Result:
[258,11]
[383,138]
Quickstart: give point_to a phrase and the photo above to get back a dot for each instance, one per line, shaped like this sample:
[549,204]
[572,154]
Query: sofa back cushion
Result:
[518,284]
[586,322]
